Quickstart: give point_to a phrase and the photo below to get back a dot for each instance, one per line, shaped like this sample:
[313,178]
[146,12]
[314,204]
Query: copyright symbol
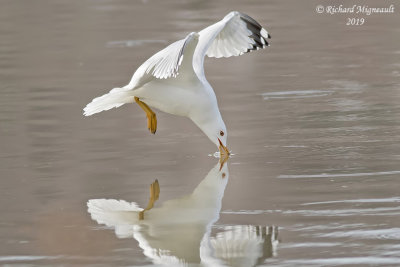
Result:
[320,9]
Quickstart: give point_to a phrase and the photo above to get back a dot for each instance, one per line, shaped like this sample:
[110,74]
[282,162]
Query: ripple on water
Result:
[311,245]
[347,85]
[338,261]
[384,234]
[22,258]
[363,200]
[217,154]
[132,43]
[295,94]
[331,175]
[329,226]
[387,211]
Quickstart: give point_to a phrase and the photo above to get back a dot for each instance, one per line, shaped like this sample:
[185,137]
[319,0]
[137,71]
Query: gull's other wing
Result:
[234,35]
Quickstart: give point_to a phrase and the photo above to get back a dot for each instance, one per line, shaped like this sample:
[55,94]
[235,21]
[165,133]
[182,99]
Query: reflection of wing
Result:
[115,213]
[172,248]
[245,245]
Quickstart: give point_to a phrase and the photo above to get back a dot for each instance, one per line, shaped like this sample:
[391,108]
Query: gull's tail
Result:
[114,99]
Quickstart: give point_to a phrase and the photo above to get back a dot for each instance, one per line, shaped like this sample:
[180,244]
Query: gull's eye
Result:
[221,133]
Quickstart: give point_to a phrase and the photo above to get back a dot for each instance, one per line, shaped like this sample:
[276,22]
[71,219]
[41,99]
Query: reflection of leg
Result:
[154,194]
[151,116]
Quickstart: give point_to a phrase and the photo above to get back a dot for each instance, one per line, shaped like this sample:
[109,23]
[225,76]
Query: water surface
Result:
[313,121]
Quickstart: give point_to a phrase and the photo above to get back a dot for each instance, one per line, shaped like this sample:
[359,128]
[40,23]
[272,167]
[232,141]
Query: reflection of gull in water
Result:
[179,232]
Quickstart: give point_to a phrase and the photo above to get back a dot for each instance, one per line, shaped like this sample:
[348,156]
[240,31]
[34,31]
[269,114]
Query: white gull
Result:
[173,79]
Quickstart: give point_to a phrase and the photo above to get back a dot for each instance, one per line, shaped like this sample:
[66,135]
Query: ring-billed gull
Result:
[173,79]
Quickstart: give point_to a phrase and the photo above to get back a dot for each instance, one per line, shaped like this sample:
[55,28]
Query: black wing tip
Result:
[266,42]
[256,29]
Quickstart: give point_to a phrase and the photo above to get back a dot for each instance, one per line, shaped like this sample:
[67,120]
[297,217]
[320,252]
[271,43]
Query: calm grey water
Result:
[313,122]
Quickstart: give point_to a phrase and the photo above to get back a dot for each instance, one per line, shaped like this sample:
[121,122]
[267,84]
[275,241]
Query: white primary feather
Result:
[165,64]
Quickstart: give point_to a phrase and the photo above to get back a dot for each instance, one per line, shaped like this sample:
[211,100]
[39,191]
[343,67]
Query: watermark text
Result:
[356,13]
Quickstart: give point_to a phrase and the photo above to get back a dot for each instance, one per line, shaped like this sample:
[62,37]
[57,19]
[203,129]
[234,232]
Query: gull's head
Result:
[216,132]
[214,127]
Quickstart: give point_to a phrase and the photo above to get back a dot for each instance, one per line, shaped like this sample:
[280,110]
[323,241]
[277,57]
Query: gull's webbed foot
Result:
[152,122]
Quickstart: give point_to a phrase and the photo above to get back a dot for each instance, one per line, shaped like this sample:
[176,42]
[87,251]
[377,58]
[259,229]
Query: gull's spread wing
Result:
[234,35]
[165,63]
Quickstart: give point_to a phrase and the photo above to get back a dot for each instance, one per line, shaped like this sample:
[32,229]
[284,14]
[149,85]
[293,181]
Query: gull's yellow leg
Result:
[151,116]
[154,194]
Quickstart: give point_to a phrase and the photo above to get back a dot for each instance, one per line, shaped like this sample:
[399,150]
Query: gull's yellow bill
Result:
[223,154]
